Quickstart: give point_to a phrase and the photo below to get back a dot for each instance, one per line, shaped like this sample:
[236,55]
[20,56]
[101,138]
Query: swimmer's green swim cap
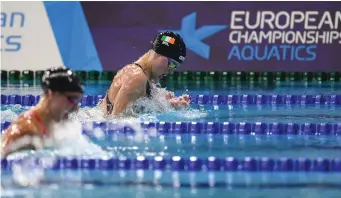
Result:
[61,79]
[171,45]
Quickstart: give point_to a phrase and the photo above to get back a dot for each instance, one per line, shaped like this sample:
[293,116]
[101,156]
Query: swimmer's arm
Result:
[127,94]
[19,140]
[7,150]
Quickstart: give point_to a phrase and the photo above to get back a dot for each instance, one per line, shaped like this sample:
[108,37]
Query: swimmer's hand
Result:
[179,102]
[185,97]
[169,95]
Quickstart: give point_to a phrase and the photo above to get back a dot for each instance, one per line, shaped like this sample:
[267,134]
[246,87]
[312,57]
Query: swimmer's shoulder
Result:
[23,125]
[131,71]
[135,74]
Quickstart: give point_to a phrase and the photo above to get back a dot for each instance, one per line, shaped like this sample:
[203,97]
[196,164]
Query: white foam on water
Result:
[143,109]
[65,139]
[68,140]
[27,174]
[88,114]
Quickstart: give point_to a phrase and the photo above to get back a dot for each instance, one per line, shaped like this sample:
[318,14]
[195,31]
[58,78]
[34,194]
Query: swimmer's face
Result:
[64,103]
[166,65]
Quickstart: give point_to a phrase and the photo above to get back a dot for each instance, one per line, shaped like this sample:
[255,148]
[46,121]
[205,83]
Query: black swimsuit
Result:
[110,106]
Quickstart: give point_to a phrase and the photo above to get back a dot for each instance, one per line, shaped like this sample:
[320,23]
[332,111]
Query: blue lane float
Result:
[228,128]
[240,128]
[248,99]
[178,163]
[266,99]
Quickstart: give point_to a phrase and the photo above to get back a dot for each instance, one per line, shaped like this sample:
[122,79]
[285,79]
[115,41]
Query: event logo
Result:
[11,42]
[193,37]
[267,35]
[27,40]
[293,36]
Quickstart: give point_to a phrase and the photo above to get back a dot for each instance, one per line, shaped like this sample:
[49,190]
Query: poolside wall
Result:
[220,36]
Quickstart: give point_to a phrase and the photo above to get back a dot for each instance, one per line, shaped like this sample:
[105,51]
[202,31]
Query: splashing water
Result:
[69,140]
[143,110]
[66,139]
[27,173]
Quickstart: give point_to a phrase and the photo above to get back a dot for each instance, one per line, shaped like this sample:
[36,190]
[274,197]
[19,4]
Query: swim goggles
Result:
[172,64]
[73,99]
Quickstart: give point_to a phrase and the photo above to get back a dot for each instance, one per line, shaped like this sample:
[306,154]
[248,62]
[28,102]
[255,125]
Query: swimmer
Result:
[62,94]
[132,82]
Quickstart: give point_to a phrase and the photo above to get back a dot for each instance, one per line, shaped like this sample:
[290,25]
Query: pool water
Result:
[263,154]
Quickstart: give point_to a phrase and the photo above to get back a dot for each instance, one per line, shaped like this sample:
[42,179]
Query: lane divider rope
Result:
[231,99]
[178,163]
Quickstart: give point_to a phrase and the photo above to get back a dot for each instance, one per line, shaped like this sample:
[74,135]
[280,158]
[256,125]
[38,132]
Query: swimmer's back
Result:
[128,84]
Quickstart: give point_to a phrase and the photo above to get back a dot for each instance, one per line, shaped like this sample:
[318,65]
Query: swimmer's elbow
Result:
[123,99]
[7,150]
[26,142]
[119,108]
